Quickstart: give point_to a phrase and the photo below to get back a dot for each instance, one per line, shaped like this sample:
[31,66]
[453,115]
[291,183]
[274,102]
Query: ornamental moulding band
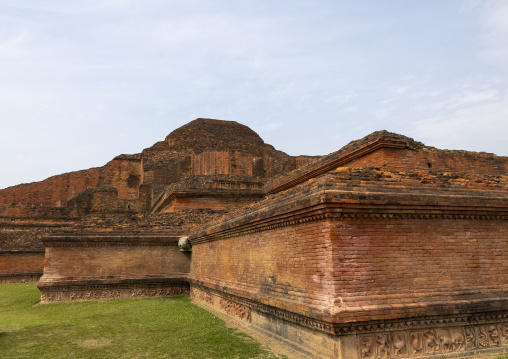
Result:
[334,211]
[338,328]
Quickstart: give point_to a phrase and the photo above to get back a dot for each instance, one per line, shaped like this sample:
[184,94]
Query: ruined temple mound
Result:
[206,134]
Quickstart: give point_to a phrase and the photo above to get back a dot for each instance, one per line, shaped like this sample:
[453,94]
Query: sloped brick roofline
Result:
[331,162]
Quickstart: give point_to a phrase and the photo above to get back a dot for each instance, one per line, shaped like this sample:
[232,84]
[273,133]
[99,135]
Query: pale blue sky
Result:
[84,81]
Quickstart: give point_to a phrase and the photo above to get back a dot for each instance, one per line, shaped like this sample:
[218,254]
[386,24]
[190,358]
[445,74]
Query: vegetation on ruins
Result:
[138,328]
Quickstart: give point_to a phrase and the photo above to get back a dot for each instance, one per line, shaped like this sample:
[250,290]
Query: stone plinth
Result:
[112,266]
[357,266]
[21,266]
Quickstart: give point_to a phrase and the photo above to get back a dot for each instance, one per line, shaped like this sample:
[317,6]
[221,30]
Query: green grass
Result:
[137,328]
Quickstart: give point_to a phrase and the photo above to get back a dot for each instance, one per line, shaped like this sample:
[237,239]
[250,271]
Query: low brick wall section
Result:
[112,266]
[21,266]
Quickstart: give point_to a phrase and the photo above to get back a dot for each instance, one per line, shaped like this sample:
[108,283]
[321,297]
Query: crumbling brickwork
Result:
[206,165]
[389,151]
[384,249]
[123,173]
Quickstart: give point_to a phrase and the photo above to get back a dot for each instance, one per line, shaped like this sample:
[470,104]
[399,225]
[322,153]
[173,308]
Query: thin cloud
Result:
[75,75]
[467,128]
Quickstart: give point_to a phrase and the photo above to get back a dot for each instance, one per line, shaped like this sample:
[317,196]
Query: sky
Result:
[84,81]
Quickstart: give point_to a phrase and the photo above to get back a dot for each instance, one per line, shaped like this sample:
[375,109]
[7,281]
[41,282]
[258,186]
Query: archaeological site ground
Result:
[386,248]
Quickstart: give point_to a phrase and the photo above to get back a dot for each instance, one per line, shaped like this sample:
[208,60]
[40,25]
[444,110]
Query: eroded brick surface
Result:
[386,248]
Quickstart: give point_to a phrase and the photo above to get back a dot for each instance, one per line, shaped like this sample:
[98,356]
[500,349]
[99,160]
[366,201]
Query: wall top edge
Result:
[333,202]
[69,283]
[99,239]
[22,251]
[328,162]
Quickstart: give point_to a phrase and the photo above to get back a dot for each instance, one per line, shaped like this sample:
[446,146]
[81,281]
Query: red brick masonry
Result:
[384,249]
[112,266]
[352,254]
[20,266]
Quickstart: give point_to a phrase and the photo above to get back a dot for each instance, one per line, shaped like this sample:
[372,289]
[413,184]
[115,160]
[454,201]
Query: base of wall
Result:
[309,342]
[483,337]
[104,291]
[13,278]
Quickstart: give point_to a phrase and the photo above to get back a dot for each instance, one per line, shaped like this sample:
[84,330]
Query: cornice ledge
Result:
[110,239]
[325,211]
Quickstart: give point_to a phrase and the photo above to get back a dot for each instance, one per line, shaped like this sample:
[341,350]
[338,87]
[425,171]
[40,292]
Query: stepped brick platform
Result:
[21,252]
[215,192]
[93,266]
[364,263]
[384,249]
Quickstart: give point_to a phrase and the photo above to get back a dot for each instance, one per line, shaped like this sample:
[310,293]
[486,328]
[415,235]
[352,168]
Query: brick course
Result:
[111,266]
[21,266]
[386,248]
[367,250]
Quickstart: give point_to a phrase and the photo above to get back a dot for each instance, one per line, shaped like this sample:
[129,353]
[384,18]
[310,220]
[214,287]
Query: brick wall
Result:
[362,253]
[21,266]
[99,256]
[404,264]
[393,152]
[25,232]
[326,266]
[426,159]
[212,203]
[223,162]
[290,267]
[122,173]
[112,266]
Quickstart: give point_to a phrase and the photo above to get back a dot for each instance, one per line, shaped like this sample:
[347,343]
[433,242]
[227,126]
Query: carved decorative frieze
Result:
[158,292]
[94,295]
[104,292]
[206,294]
[432,341]
[50,297]
[202,296]
[342,329]
[504,333]
[16,279]
[235,309]
[294,318]
[232,307]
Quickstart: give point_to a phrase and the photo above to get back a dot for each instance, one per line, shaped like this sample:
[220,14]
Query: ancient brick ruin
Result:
[384,249]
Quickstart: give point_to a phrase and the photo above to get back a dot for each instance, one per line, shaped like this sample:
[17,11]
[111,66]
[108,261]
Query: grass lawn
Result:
[137,328]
